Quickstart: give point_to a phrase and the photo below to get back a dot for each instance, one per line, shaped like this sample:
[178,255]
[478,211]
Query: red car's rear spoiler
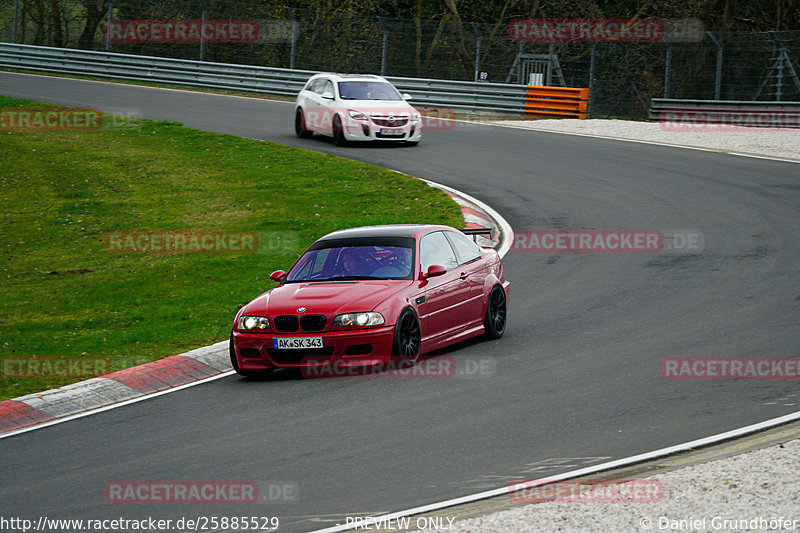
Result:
[477,231]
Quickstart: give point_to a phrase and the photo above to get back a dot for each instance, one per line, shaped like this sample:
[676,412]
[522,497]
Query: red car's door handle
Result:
[464,275]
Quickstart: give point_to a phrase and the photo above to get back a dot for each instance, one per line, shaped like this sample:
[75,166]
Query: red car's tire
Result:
[407,337]
[494,321]
[260,373]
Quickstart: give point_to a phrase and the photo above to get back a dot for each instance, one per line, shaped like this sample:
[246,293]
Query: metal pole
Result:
[479,39]
[779,83]
[592,61]
[108,24]
[633,102]
[385,46]
[783,60]
[667,70]
[14,27]
[202,29]
[385,51]
[718,79]
[294,38]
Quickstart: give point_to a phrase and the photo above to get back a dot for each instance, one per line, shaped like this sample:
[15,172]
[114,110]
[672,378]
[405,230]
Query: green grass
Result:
[62,192]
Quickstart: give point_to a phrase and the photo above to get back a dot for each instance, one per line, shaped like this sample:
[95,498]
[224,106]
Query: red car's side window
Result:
[467,250]
[436,250]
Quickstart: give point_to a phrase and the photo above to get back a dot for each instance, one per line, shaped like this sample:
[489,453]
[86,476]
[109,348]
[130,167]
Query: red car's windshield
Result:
[353,262]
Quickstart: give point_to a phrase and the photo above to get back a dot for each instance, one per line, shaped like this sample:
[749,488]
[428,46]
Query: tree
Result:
[95,11]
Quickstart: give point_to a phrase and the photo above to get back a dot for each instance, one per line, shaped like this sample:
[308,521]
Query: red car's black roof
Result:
[394,230]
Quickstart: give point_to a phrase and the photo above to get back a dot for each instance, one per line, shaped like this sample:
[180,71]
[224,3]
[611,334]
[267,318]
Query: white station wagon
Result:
[351,107]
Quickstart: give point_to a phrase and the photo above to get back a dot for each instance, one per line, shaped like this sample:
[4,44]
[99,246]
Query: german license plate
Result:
[397,132]
[296,343]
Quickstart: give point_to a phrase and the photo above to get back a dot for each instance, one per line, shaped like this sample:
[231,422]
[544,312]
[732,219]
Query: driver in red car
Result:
[350,262]
[354,263]
[401,260]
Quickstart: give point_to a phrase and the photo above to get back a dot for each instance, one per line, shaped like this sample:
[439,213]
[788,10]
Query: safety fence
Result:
[455,95]
[622,77]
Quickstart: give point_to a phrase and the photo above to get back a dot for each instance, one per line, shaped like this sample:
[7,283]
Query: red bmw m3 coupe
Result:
[363,296]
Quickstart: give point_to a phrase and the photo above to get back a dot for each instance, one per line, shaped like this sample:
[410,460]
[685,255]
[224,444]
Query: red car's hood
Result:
[325,298]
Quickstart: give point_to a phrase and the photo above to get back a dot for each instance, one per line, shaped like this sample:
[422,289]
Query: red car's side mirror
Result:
[433,271]
[277,276]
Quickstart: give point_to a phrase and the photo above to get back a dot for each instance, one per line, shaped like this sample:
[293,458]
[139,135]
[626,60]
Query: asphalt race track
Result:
[575,381]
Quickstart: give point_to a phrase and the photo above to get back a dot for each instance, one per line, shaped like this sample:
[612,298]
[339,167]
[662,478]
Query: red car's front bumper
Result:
[364,347]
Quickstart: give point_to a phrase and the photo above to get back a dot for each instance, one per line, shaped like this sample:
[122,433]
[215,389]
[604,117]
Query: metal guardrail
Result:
[457,95]
[734,113]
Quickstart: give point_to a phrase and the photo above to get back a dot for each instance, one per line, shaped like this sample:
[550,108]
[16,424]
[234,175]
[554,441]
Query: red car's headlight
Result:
[257,323]
[358,320]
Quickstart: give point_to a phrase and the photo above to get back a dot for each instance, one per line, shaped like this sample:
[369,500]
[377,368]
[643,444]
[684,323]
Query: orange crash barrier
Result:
[557,102]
